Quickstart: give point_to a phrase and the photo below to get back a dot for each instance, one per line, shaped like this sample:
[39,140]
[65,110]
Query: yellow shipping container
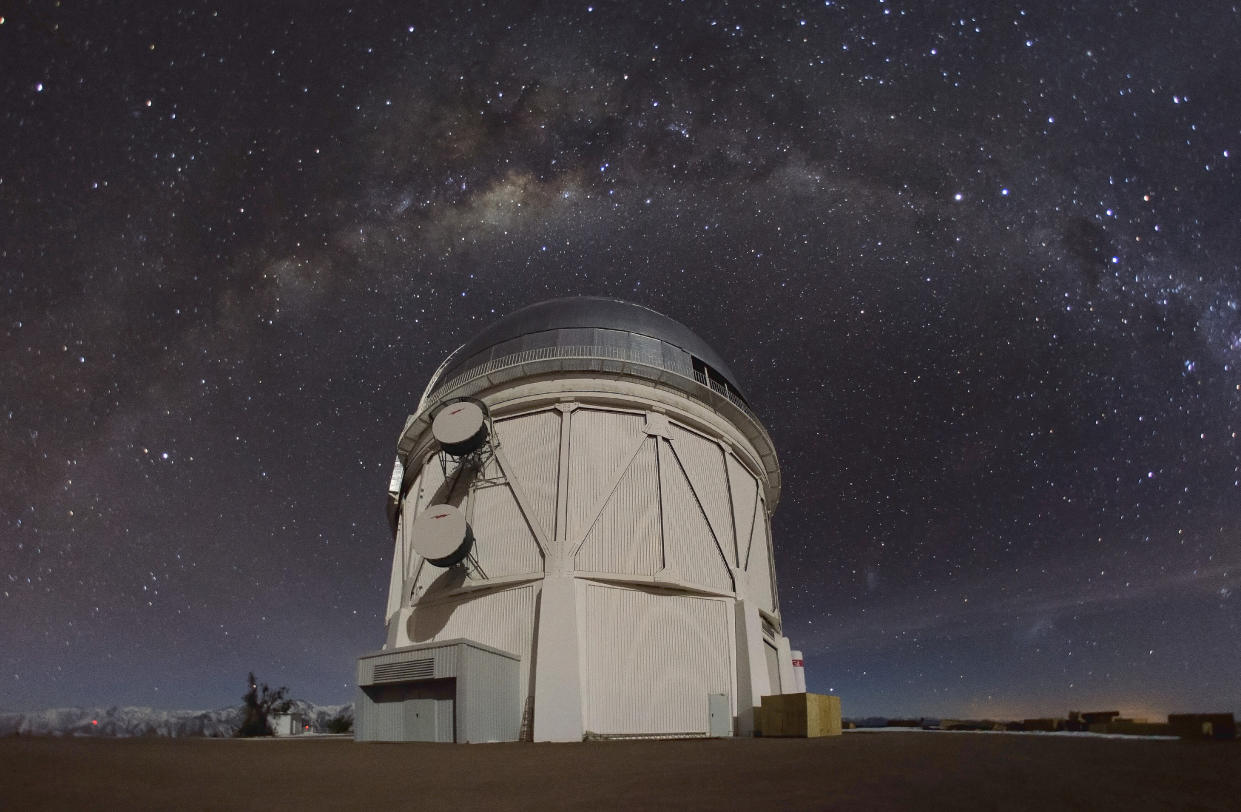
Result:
[803,715]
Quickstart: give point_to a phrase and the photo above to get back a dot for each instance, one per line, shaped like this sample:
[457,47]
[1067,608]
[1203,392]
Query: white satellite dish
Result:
[442,536]
[461,427]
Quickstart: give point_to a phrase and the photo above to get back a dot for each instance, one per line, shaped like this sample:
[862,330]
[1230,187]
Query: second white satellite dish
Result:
[442,536]
[460,427]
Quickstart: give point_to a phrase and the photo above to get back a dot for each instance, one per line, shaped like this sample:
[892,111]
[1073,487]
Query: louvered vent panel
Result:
[401,672]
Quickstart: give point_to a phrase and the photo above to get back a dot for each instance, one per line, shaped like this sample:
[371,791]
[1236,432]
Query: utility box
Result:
[450,690]
[802,715]
[720,719]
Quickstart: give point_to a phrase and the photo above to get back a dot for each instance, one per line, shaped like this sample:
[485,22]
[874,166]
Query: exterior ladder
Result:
[527,722]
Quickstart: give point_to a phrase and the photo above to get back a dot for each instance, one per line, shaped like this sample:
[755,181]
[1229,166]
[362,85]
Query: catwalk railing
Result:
[590,352]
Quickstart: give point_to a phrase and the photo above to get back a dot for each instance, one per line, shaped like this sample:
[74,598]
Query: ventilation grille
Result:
[696,734]
[400,672]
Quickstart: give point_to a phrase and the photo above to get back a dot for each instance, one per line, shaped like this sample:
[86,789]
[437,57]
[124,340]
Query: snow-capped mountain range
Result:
[121,722]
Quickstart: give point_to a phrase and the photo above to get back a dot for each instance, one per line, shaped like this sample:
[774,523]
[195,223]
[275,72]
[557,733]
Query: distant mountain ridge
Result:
[123,722]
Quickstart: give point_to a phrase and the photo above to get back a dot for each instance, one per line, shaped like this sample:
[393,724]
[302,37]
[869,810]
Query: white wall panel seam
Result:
[660,506]
[529,456]
[690,548]
[702,508]
[704,465]
[747,485]
[625,536]
[732,508]
[505,543]
[749,545]
[771,563]
[603,443]
[609,492]
[524,502]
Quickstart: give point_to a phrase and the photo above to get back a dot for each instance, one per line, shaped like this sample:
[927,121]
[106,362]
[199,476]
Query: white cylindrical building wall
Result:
[621,516]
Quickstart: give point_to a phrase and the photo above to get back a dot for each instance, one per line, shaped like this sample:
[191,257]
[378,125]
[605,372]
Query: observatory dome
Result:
[581,512]
[585,336]
[589,321]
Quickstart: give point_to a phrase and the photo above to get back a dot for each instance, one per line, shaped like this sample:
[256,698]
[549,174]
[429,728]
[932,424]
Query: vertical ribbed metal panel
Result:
[445,720]
[626,538]
[704,462]
[429,483]
[690,549]
[426,576]
[744,488]
[489,710]
[651,660]
[404,566]
[504,543]
[599,443]
[532,448]
[379,713]
[773,666]
[396,582]
[771,563]
[759,571]
[402,561]
[503,620]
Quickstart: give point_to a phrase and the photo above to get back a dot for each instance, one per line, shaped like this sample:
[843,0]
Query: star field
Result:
[975,265]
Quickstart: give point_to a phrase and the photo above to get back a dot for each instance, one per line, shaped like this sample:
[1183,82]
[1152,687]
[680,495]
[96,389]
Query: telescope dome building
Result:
[581,513]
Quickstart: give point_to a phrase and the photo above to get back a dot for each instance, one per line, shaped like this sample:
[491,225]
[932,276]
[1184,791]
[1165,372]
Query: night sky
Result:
[976,266]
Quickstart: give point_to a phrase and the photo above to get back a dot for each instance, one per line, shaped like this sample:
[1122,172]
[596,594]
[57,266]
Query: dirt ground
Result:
[855,771]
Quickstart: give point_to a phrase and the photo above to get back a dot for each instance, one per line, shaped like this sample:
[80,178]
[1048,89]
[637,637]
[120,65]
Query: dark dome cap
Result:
[595,312]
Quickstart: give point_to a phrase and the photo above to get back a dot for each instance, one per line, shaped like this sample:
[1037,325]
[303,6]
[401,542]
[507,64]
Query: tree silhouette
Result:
[340,723]
[260,702]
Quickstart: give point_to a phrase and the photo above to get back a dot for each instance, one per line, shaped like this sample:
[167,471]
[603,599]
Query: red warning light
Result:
[94,721]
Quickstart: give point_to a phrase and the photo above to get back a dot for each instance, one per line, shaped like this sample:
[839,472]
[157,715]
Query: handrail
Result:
[588,351]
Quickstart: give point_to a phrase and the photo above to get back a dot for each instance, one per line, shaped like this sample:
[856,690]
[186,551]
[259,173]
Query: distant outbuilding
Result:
[288,724]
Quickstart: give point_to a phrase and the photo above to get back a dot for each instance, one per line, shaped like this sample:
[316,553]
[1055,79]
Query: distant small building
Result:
[1220,726]
[964,724]
[288,724]
[1138,727]
[1099,717]
[1044,725]
[1203,725]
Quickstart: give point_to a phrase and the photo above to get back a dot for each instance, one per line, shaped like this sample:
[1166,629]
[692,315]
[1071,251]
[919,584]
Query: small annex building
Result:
[455,690]
[288,724]
[581,508]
